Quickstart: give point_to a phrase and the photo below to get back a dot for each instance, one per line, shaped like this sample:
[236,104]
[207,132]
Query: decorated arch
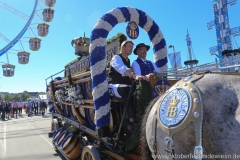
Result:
[98,54]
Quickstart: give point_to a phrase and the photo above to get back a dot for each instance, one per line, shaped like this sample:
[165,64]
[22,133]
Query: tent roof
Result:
[43,96]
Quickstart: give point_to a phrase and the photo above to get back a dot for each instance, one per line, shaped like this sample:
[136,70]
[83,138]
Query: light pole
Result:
[175,64]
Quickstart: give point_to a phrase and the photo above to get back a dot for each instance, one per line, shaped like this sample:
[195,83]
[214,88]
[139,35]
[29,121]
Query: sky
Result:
[74,17]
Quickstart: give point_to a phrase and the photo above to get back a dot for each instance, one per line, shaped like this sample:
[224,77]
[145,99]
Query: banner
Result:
[175,60]
[210,24]
[213,49]
[235,31]
[231,2]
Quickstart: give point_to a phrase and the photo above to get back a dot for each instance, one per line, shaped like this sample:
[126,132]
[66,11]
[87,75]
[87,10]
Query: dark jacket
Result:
[43,105]
[116,78]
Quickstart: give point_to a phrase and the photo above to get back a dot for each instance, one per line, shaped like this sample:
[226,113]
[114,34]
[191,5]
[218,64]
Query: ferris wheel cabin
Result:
[23,57]
[43,29]
[50,3]
[8,70]
[48,14]
[34,44]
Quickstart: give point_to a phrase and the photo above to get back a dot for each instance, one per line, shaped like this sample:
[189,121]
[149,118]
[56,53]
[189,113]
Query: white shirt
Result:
[20,104]
[118,65]
[137,70]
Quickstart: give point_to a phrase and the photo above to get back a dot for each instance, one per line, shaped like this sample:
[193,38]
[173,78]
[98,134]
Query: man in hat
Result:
[141,66]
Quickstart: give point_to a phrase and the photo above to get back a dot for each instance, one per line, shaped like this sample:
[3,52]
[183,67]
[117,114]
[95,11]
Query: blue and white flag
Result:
[175,60]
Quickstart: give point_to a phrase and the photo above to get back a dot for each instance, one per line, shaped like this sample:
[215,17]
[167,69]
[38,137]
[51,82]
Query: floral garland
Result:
[98,53]
[75,95]
[61,95]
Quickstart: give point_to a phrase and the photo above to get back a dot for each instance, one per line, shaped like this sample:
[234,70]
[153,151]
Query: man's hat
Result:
[140,45]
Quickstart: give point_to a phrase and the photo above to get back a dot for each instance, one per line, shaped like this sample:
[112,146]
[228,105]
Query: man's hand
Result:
[141,78]
[150,75]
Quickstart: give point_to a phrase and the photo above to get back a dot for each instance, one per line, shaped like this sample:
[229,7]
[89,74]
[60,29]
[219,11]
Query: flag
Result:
[175,60]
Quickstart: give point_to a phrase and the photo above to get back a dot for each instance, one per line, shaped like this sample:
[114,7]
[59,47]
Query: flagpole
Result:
[174,54]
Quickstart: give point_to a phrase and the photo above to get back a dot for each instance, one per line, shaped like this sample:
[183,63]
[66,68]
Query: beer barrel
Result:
[71,112]
[60,138]
[56,134]
[71,146]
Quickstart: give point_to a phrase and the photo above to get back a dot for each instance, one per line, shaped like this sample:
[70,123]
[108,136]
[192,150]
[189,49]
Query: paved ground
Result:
[26,138]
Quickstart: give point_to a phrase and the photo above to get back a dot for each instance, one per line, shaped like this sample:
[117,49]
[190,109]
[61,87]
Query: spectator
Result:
[11,108]
[20,106]
[28,106]
[31,108]
[24,106]
[3,110]
[15,108]
[35,106]
[8,110]
[1,107]
[43,107]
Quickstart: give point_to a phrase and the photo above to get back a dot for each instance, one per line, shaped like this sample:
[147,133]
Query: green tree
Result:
[1,96]
[24,96]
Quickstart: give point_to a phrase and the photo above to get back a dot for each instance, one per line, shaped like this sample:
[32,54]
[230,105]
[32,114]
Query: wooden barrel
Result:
[78,114]
[71,112]
[56,134]
[87,89]
[65,110]
[60,138]
[71,146]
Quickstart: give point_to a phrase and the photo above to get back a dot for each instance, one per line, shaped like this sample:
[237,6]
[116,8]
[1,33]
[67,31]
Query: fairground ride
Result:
[34,41]
[224,34]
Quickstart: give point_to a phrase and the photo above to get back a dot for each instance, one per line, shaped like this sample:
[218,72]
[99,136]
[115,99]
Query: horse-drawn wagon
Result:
[87,123]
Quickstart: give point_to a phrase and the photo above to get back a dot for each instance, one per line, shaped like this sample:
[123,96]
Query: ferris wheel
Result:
[34,41]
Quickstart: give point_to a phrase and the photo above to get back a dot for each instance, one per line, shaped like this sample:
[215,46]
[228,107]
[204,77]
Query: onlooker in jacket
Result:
[4,105]
[35,107]
[43,107]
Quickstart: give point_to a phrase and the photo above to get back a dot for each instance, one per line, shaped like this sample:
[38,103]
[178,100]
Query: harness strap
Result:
[153,142]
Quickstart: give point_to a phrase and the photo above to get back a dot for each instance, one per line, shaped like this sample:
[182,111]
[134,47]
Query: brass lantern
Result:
[48,14]
[34,44]
[43,29]
[50,3]
[8,70]
[23,57]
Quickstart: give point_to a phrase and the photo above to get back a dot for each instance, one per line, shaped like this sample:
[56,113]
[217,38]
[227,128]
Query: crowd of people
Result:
[15,109]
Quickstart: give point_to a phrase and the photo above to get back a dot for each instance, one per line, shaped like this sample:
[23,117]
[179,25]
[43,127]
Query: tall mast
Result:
[191,61]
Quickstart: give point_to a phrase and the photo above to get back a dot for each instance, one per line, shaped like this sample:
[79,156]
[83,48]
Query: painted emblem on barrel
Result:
[160,88]
[132,30]
[174,107]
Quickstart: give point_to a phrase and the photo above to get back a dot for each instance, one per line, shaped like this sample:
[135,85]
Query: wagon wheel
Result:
[90,153]
[54,127]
